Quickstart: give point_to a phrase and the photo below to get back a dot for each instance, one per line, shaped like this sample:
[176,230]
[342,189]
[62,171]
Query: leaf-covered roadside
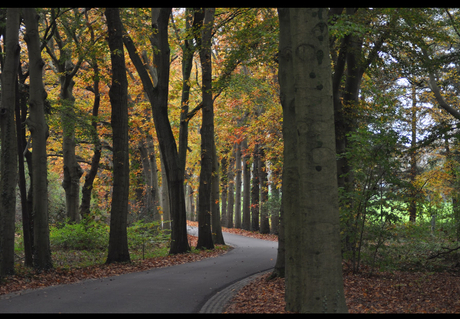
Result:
[396,292]
[58,276]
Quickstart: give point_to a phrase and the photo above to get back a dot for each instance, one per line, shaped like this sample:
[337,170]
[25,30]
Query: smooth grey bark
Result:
[189,205]
[188,51]
[290,176]
[280,266]
[97,148]
[72,170]
[313,265]
[118,94]
[275,211]
[246,221]
[231,188]
[24,155]
[224,185]
[207,134]
[264,214]
[413,157]
[255,190]
[164,196]
[216,226]
[39,134]
[238,185]
[149,170]
[9,158]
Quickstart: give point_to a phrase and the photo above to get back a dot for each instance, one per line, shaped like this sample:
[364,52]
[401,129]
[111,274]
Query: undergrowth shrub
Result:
[85,235]
[146,236]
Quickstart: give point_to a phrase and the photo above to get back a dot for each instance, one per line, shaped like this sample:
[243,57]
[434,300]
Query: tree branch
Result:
[437,92]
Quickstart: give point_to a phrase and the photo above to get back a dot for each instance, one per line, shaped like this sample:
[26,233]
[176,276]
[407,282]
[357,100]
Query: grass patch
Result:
[411,247]
[85,244]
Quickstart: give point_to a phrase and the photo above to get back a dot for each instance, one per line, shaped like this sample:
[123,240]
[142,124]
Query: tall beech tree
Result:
[67,70]
[246,218]
[158,97]
[95,160]
[255,190]
[238,172]
[314,280]
[207,135]
[39,134]
[9,159]
[231,187]
[118,239]
[216,222]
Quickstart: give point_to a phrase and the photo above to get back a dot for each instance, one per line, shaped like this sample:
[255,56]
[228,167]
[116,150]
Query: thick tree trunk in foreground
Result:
[9,159]
[24,155]
[118,93]
[314,280]
[39,133]
[207,136]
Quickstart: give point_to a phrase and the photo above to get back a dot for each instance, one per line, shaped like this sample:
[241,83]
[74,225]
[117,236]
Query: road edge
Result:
[218,302]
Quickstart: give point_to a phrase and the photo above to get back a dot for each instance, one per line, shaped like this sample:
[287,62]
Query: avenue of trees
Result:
[327,127]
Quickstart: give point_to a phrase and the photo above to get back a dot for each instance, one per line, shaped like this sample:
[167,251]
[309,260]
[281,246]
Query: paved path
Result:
[204,286]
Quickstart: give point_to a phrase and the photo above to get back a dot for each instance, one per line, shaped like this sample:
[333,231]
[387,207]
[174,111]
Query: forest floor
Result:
[381,292]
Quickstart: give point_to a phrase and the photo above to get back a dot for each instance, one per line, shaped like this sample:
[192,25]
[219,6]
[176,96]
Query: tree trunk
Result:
[72,170]
[255,191]
[39,134]
[246,224]
[314,280]
[97,150]
[231,187]
[189,202]
[413,157]
[188,50]
[290,178]
[118,94]
[23,152]
[9,151]
[66,71]
[149,169]
[275,211]
[264,220]
[164,196]
[207,135]
[158,97]
[280,266]
[238,185]
[224,185]
[216,226]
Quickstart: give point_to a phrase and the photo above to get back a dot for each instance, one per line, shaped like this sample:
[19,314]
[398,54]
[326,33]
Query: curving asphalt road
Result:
[202,286]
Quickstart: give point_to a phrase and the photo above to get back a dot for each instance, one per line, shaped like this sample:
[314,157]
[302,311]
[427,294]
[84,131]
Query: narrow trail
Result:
[187,288]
